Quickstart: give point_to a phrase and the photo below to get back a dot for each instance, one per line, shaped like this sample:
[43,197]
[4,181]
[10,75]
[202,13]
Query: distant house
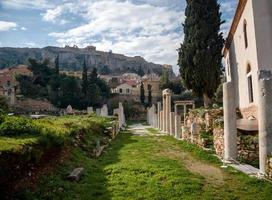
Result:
[8,83]
[123,89]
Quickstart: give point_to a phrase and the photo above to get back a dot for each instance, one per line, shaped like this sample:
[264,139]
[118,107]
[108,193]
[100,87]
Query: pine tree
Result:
[200,54]
[142,94]
[84,79]
[57,65]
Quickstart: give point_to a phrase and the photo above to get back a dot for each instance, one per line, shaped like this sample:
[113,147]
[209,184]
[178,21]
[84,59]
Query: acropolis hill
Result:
[72,58]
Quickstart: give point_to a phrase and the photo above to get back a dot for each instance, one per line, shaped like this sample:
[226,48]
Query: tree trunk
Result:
[207,100]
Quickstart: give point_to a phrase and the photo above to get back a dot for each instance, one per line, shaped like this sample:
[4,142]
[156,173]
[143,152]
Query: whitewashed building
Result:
[248,50]
[248,57]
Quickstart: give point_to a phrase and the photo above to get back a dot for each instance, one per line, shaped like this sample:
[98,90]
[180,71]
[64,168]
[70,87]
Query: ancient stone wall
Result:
[269,168]
[249,112]
[210,134]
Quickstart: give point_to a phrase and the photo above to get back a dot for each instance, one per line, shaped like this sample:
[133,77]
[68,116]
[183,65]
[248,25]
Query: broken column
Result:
[121,116]
[104,111]
[164,112]
[193,131]
[172,123]
[154,116]
[230,130]
[98,111]
[158,115]
[265,118]
[177,126]
[161,121]
[148,116]
[166,109]
[90,110]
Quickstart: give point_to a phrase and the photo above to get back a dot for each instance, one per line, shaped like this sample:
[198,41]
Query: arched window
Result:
[250,84]
[245,34]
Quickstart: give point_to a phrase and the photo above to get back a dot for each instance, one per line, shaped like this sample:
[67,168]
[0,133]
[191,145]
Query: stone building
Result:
[152,82]
[248,60]
[248,50]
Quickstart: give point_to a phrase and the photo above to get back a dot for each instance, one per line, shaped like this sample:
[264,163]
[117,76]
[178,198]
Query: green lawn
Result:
[148,167]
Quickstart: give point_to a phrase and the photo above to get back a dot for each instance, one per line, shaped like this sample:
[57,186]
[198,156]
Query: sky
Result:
[148,28]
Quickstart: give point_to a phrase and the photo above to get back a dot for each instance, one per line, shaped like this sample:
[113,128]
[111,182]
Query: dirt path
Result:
[212,174]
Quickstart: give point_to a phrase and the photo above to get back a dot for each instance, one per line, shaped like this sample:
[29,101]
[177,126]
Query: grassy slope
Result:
[58,127]
[147,168]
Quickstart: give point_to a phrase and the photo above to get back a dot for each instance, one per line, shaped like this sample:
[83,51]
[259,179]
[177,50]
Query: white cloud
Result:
[6,26]
[23,28]
[124,27]
[22,4]
[52,14]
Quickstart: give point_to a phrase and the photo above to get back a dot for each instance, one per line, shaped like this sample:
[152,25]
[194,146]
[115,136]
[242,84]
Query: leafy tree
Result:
[164,81]
[200,54]
[3,104]
[104,88]
[84,79]
[176,86]
[69,89]
[142,94]
[94,95]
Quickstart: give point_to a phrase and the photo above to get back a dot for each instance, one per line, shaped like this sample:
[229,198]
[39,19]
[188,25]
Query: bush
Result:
[15,126]
[2,116]
[3,104]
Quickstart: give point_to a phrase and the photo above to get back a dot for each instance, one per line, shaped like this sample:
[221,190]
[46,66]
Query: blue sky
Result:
[149,28]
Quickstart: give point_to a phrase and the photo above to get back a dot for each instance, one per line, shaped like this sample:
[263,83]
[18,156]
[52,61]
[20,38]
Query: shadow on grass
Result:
[93,184]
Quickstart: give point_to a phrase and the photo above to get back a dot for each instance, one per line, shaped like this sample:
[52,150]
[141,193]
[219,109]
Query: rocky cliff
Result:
[72,58]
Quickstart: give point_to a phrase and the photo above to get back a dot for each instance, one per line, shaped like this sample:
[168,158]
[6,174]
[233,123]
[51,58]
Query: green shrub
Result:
[2,116]
[15,126]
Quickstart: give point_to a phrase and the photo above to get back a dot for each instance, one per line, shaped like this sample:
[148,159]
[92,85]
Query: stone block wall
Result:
[251,111]
[218,141]
[269,168]
[248,148]
[205,120]
[210,123]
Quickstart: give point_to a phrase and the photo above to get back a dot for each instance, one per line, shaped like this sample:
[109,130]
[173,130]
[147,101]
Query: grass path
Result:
[142,164]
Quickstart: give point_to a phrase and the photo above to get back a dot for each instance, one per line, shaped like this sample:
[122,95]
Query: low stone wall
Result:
[33,105]
[218,141]
[248,148]
[269,168]
[210,134]
[205,121]
[251,111]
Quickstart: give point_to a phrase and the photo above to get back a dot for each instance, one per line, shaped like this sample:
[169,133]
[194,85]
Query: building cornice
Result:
[238,14]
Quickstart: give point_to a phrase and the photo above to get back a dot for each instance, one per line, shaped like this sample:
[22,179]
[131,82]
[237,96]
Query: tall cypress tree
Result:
[84,79]
[142,94]
[164,81]
[149,95]
[200,55]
